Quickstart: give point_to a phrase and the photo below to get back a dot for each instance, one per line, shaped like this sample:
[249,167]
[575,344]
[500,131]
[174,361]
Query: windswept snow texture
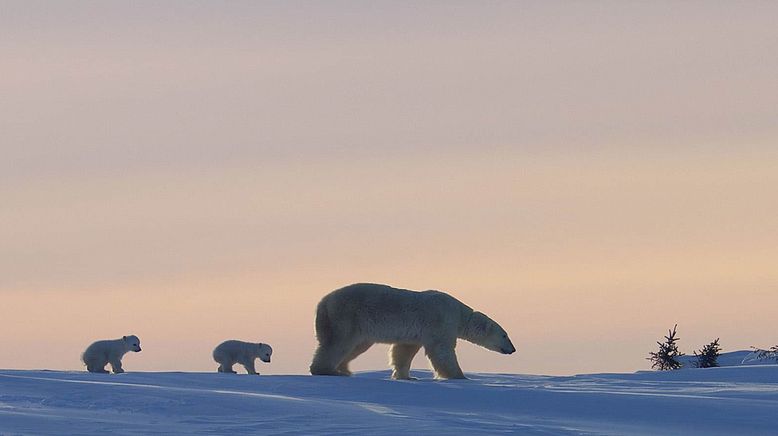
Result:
[729,400]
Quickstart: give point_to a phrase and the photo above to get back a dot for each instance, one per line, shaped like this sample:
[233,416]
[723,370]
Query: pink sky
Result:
[588,174]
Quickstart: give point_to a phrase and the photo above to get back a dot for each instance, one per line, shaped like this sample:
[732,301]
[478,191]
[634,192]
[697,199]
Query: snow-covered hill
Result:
[729,400]
[732,358]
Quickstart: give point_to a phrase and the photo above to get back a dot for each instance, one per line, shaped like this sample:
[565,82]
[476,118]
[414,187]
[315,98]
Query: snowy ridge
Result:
[732,358]
[728,400]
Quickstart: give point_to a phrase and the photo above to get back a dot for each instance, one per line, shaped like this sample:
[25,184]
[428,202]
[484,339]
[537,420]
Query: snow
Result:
[732,358]
[728,400]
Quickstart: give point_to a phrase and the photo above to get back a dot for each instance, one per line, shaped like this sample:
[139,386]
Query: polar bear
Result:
[109,351]
[351,319]
[230,352]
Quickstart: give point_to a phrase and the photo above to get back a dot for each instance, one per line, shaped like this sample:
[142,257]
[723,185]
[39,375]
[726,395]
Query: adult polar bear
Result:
[351,319]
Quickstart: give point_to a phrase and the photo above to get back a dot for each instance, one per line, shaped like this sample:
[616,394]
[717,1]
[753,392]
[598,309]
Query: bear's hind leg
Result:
[401,356]
[96,368]
[327,358]
[444,362]
[226,368]
[359,349]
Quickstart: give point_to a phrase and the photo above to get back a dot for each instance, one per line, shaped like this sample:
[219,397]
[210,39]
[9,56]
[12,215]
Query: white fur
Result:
[351,319]
[230,352]
[100,353]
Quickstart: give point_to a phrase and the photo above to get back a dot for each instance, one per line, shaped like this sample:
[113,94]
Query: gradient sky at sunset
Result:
[586,173]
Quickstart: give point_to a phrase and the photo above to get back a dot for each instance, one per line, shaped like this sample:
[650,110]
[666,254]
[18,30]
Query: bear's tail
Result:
[323,324]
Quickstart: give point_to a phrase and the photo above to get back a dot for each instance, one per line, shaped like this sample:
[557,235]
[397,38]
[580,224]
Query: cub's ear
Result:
[124,338]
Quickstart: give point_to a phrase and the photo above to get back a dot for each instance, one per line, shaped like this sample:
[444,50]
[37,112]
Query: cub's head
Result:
[132,343]
[264,351]
[481,330]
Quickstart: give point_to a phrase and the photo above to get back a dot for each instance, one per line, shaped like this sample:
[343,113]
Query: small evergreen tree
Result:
[708,355]
[770,353]
[667,356]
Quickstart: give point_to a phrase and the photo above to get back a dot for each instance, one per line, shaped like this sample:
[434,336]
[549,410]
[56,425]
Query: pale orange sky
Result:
[588,174]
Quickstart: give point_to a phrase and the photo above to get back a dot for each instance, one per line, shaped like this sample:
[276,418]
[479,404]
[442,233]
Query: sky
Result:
[586,173]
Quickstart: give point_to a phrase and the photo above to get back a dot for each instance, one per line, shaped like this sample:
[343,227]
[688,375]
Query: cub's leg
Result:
[226,368]
[116,365]
[249,365]
[97,368]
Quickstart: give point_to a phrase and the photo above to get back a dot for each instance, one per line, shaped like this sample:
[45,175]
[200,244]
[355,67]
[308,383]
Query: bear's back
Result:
[100,350]
[373,293]
[232,346]
[366,299]
[101,345]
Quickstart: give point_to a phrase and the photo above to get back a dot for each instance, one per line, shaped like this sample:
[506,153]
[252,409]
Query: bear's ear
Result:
[124,338]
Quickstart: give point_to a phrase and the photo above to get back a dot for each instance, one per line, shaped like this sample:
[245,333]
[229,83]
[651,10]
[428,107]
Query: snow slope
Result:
[729,400]
[732,358]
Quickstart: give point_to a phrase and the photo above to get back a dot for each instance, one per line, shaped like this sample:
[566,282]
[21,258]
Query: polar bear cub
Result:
[230,352]
[97,355]
[351,319]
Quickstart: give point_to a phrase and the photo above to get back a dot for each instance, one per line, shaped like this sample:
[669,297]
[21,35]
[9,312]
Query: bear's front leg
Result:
[444,361]
[249,365]
[116,366]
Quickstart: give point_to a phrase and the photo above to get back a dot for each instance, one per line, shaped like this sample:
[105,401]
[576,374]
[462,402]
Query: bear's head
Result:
[264,351]
[132,343]
[483,331]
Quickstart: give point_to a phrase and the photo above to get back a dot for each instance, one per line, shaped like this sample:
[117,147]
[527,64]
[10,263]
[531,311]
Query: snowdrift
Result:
[729,400]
